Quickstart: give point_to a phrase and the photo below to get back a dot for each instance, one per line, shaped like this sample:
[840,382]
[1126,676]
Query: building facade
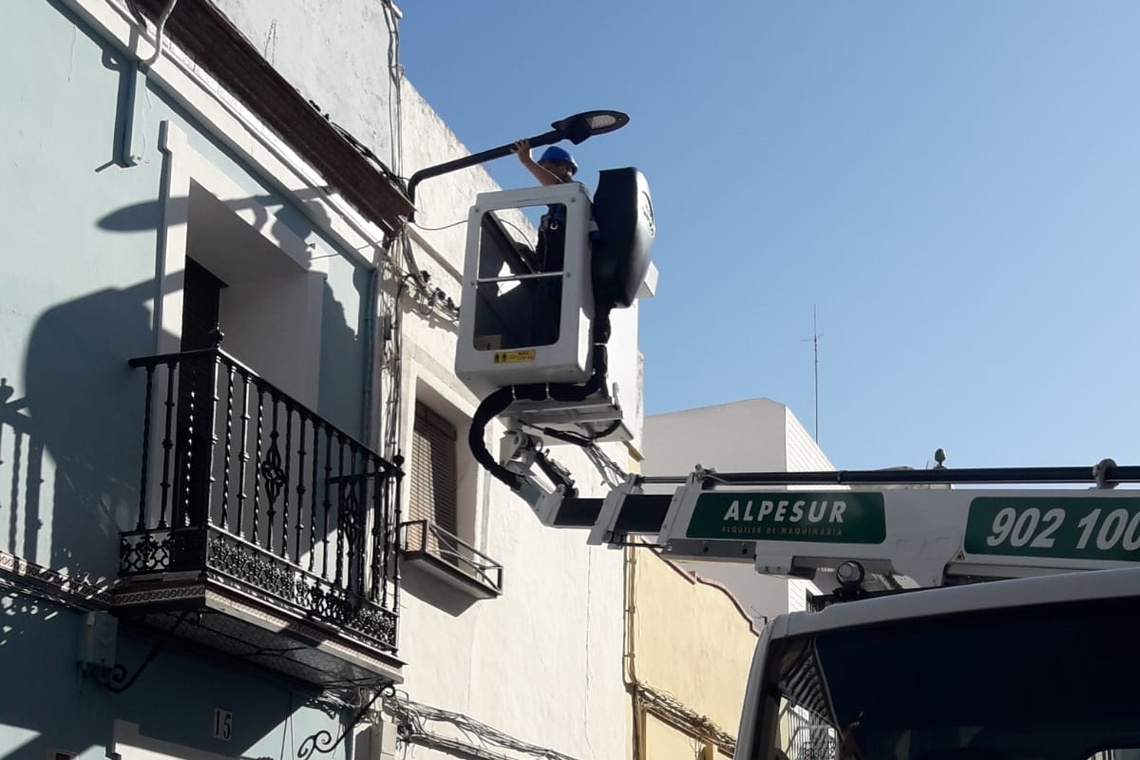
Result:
[689,645]
[239,518]
[518,629]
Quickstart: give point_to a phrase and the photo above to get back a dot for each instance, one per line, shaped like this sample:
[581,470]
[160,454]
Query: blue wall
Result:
[172,700]
[80,261]
[80,258]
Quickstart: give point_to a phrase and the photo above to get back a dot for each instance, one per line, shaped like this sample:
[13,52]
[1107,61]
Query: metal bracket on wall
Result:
[116,679]
[322,741]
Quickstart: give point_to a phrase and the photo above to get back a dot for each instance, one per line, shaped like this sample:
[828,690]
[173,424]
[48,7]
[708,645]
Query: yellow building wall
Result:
[689,640]
[665,742]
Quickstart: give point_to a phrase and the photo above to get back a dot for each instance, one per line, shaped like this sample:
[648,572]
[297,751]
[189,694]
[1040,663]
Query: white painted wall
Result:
[741,436]
[802,452]
[543,662]
[335,54]
[754,435]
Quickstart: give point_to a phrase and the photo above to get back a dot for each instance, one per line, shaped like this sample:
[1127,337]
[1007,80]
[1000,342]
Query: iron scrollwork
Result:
[247,566]
[375,623]
[145,553]
[322,741]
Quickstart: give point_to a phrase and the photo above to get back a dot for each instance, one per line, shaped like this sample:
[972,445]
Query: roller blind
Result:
[433,476]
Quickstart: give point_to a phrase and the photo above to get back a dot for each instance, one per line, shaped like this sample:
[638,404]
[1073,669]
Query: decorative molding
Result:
[161,595]
[191,166]
[75,592]
[279,621]
[209,38]
[128,743]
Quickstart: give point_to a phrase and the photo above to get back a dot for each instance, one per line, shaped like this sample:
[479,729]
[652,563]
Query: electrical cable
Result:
[589,444]
[610,469]
[438,303]
[673,711]
[412,718]
[322,740]
[437,229]
[522,233]
[555,472]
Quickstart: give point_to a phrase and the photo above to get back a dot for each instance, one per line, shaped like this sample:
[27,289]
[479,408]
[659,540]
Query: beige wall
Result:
[665,742]
[691,642]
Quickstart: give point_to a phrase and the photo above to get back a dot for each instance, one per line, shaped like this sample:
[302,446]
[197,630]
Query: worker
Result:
[554,167]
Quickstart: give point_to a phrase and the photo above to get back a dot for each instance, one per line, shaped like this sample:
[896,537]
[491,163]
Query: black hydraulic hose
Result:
[490,408]
[495,404]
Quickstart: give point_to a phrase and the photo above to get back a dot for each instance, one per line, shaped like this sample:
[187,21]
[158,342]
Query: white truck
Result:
[961,624]
[1043,668]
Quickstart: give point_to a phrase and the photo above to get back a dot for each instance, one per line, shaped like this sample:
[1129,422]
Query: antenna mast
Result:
[815,351]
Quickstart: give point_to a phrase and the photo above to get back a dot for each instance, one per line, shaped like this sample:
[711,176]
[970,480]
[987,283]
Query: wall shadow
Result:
[71,464]
[431,591]
[83,406]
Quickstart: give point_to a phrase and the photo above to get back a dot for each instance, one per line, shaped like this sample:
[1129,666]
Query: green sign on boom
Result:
[838,517]
[1085,527]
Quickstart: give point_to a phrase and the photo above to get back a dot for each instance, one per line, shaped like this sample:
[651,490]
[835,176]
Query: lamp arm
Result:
[546,138]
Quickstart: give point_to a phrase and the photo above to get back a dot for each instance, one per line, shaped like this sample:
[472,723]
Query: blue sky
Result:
[953,185]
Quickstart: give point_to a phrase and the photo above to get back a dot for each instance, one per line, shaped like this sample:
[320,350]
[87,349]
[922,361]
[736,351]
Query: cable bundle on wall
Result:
[412,719]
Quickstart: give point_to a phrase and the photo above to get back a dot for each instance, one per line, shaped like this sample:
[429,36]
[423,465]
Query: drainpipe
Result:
[131,72]
[639,712]
[629,671]
[159,29]
[127,155]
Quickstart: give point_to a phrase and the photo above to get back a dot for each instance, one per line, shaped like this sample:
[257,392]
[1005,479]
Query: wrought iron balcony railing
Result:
[450,557]
[245,485]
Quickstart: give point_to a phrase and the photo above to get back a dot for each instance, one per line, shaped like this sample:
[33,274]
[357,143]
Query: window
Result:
[431,534]
[433,476]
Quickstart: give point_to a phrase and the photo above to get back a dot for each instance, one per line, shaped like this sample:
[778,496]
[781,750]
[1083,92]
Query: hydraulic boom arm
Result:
[907,523]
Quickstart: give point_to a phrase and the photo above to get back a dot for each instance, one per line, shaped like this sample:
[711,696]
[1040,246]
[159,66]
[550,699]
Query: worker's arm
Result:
[522,148]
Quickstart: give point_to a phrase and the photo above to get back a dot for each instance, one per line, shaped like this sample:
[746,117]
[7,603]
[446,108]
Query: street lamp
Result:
[576,129]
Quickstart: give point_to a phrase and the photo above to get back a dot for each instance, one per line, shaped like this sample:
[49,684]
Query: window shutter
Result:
[433,475]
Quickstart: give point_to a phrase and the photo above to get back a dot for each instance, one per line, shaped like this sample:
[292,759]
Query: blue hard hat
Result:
[554,153]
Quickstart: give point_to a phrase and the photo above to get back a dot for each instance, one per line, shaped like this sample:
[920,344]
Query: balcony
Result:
[449,559]
[263,531]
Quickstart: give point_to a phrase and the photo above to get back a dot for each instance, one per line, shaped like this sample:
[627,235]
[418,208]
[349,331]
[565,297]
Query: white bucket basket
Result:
[528,302]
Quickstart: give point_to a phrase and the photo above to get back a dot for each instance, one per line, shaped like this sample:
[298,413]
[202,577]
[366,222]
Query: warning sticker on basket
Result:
[515,357]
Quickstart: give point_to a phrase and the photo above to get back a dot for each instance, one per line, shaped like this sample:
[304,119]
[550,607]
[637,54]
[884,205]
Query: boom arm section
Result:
[891,522]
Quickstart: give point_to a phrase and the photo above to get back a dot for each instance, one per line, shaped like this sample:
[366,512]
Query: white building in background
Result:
[755,435]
